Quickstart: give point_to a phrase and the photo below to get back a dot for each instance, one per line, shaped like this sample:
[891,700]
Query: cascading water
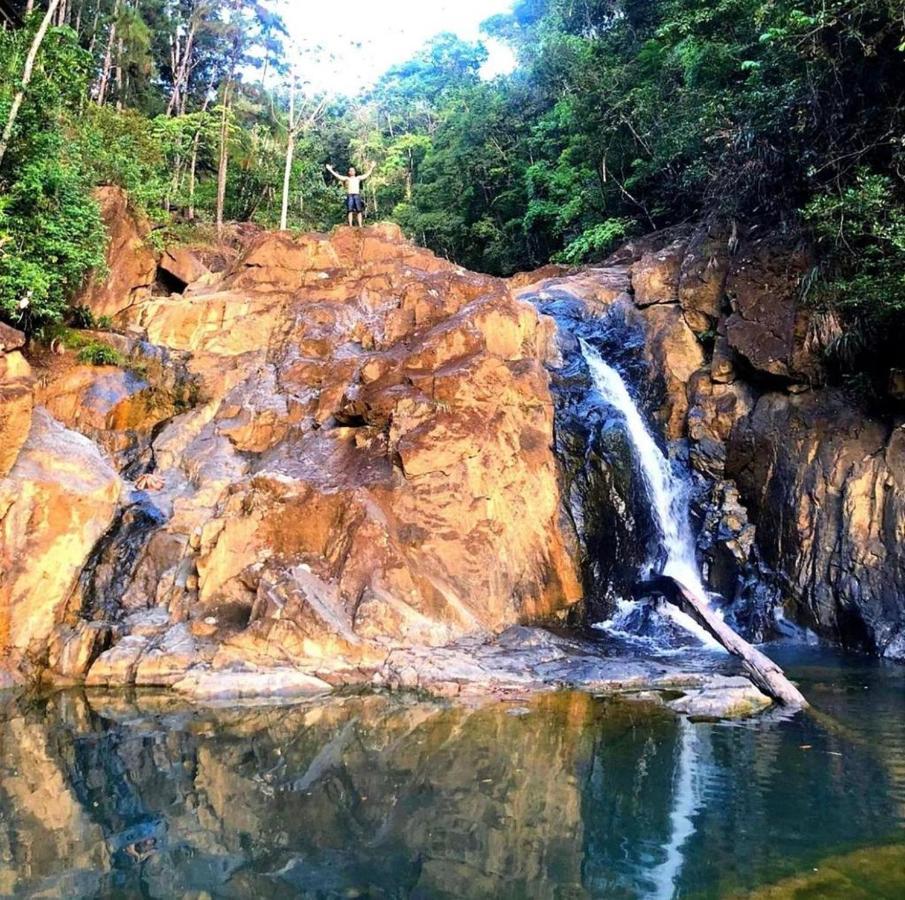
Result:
[668,496]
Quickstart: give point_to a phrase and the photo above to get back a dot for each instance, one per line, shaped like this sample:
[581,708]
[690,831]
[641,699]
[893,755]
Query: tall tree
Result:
[27,71]
[297,122]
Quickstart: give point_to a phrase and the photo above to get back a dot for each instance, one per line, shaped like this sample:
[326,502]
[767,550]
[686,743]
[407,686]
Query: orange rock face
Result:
[54,505]
[368,463]
[131,263]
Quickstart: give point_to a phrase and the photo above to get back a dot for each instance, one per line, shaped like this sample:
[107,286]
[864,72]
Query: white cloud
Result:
[345,47]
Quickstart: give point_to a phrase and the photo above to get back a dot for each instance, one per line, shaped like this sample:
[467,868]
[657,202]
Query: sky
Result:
[357,40]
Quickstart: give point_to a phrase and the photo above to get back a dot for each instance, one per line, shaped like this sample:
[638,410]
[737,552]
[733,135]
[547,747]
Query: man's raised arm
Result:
[334,173]
[370,171]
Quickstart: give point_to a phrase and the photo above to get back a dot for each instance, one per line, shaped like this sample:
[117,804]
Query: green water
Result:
[374,796]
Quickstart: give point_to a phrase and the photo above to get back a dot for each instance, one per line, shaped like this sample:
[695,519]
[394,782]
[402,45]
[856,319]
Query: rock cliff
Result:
[325,455]
[800,494]
[335,447]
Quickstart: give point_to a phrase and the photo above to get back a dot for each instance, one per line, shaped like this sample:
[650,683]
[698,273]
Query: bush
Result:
[51,233]
[595,242]
[51,236]
[97,353]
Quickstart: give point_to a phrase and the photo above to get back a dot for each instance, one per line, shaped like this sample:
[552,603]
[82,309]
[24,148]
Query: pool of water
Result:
[564,796]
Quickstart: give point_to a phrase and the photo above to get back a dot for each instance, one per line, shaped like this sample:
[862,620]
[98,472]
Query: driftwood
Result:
[765,674]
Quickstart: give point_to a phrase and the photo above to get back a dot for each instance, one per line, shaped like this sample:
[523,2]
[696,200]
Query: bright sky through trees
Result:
[357,40]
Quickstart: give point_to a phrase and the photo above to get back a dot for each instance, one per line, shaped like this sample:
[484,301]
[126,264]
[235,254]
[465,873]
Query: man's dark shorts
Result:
[354,203]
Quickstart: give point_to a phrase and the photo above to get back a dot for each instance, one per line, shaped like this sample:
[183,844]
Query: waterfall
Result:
[668,494]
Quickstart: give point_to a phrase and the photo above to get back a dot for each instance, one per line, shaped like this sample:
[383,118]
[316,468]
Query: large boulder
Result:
[131,263]
[656,275]
[181,266]
[16,396]
[702,277]
[368,464]
[767,328]
[674,354]
[56,502]
[826,488]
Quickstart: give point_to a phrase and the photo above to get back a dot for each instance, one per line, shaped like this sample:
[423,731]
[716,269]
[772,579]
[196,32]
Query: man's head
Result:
[351,170]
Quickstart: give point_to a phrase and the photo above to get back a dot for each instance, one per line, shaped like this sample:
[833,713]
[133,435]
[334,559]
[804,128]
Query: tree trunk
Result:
[223,163]
[108,59]
[119,74]
[290,151]
[97,16]
[26,77]
[765,674]
[196,143]
[181,70]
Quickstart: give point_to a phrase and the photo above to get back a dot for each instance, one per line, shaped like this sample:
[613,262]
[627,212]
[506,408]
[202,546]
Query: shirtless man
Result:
[354,204]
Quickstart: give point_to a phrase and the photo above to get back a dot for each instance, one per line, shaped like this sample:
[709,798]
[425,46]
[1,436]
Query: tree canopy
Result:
[622,116]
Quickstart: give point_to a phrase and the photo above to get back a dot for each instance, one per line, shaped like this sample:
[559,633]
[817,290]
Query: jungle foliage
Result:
[622,116]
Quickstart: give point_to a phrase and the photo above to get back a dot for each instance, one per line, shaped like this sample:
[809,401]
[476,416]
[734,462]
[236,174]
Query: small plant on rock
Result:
[96,353]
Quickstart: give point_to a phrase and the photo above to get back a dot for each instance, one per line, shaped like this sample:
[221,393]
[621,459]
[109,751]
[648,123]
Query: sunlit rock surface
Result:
[131,262]
[56,502]
[363,461]
[16,396]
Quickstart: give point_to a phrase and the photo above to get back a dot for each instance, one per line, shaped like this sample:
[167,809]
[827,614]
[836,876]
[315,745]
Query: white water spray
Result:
[667,494]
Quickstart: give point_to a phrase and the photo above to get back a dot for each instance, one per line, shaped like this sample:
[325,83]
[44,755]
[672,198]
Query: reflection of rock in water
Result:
[398,797]
[569,796]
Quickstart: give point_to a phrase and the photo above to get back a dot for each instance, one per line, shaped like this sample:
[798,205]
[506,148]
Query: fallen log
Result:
[762,671]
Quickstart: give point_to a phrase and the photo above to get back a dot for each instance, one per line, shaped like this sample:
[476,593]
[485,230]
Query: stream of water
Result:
[668,494]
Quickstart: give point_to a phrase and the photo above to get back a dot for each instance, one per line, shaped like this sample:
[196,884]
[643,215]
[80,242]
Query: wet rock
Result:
[131,263]
[722,362]
[713,411]
[596,288]
[825,486]
[723,698]
[522,661]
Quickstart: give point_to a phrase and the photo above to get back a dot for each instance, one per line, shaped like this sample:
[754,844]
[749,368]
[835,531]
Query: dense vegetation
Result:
[621,117]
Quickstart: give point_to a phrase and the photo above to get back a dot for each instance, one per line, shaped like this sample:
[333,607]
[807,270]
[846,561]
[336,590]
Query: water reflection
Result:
[376,796]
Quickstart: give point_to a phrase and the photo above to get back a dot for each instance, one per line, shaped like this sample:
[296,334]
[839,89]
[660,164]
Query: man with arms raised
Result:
[354,204]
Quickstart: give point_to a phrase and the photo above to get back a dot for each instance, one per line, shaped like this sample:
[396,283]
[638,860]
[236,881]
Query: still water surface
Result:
[565,796]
